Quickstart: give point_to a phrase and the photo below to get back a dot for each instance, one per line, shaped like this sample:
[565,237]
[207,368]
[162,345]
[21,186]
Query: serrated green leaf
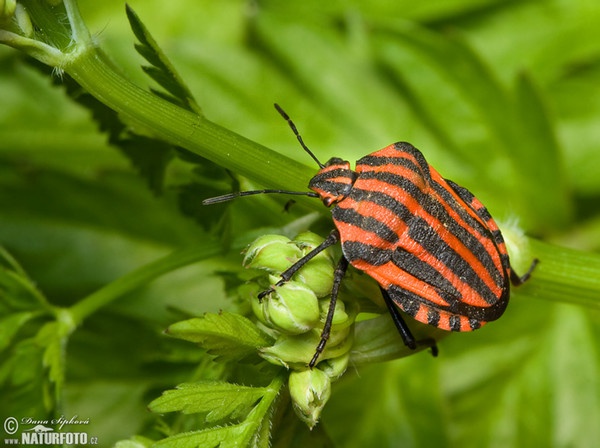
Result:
[51,336]
[226,436]
[238,435]
[215,398]
[225,335]
[10,325]
[161,70]
[149,155]
[135,442]
[17,290]
[23,383]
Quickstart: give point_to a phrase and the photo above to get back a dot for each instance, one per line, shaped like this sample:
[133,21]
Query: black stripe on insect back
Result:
[395,181]
[366,223]
[375,256]
[437,210]
[433,317]
[473,223]
[468,198]
[431,241]
[411,303]
[424,234]
[421,167]
[468,239]
[425,272]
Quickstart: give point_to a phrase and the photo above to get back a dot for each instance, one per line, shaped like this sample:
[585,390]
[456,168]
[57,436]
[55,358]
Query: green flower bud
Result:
[272,253]
[317,274]
[292,308]
[249,292]
[297,351]
[7,9]
[334,368]
[291,351]
[307,241]
[340,316]
[310,389]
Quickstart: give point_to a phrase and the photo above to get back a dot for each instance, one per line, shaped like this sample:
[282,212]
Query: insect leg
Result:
[516,280]
[286,275]
[405,333]
[407,336]
[338,275]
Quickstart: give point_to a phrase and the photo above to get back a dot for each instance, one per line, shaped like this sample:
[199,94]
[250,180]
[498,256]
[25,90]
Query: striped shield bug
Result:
[430,244]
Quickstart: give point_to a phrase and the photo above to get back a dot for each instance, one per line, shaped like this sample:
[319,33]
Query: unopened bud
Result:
[272,253]
[292,308]
[334,368]
[298,351]
[317,274]
[310,389]
[7,9]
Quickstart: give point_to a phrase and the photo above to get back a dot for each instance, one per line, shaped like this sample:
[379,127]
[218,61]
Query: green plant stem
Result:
[564,275]
[140,277]
[258,414]
[169,122]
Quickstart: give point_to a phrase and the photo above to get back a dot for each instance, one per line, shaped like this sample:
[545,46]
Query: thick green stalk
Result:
[565,275]
[169,122]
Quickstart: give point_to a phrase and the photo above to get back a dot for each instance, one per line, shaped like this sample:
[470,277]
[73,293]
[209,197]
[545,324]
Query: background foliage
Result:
[501,96]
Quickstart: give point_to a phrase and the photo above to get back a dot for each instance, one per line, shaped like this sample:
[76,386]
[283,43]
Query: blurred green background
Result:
[502,97]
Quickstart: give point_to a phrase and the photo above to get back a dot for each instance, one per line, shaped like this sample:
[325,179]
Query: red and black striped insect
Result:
[432,246]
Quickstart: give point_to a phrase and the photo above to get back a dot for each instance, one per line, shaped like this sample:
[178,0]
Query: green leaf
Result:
[551,370]
[161,69]
[135,442]
[226,335]
[389,397]
[226,436]
[17,290]
[23,382]
[254,428]
[217,399]
[150,156]
[53,336]
[10,325]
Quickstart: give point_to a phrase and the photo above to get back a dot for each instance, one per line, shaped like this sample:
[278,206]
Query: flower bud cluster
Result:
[294,314]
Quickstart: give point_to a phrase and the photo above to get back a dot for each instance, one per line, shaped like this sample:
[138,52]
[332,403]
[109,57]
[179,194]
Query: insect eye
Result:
[330,200]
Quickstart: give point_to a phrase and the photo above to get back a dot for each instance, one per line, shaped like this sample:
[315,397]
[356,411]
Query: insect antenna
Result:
[287,118]
[230,196]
